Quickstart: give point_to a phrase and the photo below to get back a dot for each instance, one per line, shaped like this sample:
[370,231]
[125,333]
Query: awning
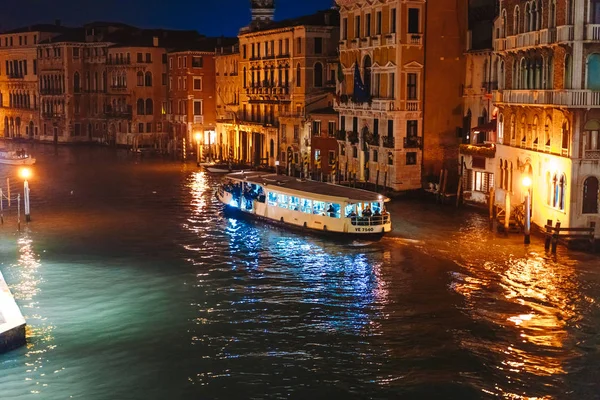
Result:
[487,127]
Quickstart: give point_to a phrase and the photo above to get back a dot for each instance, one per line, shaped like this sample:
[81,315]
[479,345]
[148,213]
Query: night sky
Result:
[209,17]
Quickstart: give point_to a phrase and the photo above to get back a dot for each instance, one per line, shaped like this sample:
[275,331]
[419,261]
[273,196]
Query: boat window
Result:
[319,207]
[307,206]
[294,203]
[272,199]
[282,200]
[349,209]
[333,210]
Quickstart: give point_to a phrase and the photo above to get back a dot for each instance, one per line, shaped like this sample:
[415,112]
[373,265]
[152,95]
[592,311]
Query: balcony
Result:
[388,142]
[198,119]
[412,105]
[564,33]
[372,139]
[118,87]
[487,151]
[364,42]
[413,142]
[51,92]
[415,39]
[390,39]
[47,114]
[15,76]
[592,32]
[592,154]
[375,104]
[500,44]
[565,98]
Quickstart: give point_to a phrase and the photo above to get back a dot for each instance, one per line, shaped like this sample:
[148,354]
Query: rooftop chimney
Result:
[155,41]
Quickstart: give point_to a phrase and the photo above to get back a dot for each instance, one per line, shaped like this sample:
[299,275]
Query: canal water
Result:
[135,286]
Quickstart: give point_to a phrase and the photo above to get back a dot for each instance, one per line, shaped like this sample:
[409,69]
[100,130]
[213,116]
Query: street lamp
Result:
[527,231]
[198,137]
[25,174]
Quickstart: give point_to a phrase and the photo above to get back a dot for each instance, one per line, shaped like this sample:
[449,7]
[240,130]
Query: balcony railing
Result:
[388,142]
[16,76]
[198,119]
[413,105]
[564,33]
[414,39]
[593,32]
[592,154]
[413,142]
[565,98]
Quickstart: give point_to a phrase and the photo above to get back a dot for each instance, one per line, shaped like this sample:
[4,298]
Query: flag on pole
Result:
[360,92]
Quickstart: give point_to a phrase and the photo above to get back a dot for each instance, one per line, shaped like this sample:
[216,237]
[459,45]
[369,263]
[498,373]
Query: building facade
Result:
[479,131]
[549,108]
[287,70]
[19,84]
[228,91]
[381,91]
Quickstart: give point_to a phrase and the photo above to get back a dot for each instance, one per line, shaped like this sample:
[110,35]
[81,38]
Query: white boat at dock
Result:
[16,157]
[306,205]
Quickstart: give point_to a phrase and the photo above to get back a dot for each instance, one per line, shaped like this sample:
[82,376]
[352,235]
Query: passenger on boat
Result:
[331,211]
[367,212]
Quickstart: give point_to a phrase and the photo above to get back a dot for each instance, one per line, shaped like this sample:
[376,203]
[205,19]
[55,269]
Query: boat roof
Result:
[321,189]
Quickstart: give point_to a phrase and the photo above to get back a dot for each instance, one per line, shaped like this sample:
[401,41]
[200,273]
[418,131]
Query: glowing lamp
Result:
[25,173]
[526,181]
[198,137]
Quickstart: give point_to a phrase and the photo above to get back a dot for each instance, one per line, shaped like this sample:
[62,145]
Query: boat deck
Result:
[302,185]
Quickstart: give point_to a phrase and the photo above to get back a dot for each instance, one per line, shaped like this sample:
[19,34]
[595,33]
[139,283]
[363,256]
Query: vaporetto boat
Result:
[305,204]
[15,157]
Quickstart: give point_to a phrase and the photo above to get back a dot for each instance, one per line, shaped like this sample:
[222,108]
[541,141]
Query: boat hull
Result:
[235,212]
[17,161]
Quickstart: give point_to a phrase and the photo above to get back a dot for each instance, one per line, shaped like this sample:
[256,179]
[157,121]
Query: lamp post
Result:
[198,137]
[25,173]
[527,230]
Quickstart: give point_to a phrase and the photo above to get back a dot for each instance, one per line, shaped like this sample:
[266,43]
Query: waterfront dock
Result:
[12,322]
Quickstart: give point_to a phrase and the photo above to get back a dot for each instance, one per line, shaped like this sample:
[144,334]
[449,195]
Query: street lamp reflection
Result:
[198,137]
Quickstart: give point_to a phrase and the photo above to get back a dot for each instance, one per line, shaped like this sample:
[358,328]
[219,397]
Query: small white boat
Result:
[306,205]
[16,157]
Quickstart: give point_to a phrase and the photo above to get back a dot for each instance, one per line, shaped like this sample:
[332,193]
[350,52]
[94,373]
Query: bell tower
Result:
[263,11]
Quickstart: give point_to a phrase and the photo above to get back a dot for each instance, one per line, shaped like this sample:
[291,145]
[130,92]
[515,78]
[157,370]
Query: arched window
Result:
[503,31]
[272,148]
[516,21]
[148,79]
[552,14]
[522,131]
[570,12]
[140,78]
[566,138]
[548,133]
[501,128]
[104,81]
[593,71]
[527,19]
[76,83]
[590,195]
[367,74]
[298,75]
[535,131]
[501,78]
[549,73]
[140,107]
[523,74]
[149,107]
[549,189]
[245,77]
[513,128]
[591,135]
[568,71]
[562,186]
[318,75]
